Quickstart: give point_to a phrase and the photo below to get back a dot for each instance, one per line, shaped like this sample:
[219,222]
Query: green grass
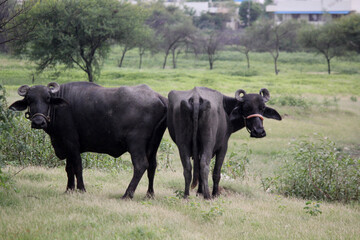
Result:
[313,105]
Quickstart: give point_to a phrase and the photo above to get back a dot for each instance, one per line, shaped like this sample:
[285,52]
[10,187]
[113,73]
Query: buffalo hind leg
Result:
[151,174]
[140,163]
[204,174]
[185,160]
[220,156]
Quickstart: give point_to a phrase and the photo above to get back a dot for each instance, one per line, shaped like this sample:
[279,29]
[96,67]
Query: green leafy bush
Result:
[25,146]
[317,170]
[6,123]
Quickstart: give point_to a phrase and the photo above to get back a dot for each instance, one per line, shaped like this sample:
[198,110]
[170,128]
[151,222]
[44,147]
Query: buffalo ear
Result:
[58,102]
[20,105]
[271,113]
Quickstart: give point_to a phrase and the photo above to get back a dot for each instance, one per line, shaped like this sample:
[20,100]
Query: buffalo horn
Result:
[265,94]
[237,95]
[54,87]
[23,90]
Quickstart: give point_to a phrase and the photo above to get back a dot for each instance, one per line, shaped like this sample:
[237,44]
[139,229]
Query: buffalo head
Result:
[39,100]
[251,109]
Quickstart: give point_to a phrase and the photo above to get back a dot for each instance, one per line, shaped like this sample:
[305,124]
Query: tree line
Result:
[79,33]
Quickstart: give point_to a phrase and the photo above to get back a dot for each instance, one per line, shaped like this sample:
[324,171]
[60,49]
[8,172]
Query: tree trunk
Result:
[122,57]
[90,76]
[328,62]
[140,62]
[166,55]
[276,69]
[248,60]
[211,61]
[173,58]
[89,72]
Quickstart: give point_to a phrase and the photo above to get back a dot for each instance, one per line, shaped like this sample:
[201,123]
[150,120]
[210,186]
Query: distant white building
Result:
[314,11]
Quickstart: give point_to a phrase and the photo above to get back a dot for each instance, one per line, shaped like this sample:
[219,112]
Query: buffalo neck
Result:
[236,120]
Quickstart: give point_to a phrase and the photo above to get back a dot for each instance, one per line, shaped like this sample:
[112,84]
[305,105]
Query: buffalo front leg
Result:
[74,169]
[140,163]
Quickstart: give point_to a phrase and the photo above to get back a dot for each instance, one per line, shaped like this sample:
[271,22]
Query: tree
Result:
[75,32]
[268,37]
[249,12]
[173,28]
[148,41]
[349,28]
[210,42]
[243,41]
[324,39]
[136,35]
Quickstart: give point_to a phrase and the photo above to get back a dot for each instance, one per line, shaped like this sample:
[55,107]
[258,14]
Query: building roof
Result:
[314,6]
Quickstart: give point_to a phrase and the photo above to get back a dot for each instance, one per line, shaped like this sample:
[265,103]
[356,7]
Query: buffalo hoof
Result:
[150,195]
[127,197]
[82,190]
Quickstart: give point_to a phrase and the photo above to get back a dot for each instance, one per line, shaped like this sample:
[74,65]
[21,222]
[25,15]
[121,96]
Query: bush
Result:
[317,170]
[6,118]
[25,146]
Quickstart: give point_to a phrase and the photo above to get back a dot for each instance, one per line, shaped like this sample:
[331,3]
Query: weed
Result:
[312,208]
[179,194]
[237,162]
[166,155]
[353,98]
[213,213]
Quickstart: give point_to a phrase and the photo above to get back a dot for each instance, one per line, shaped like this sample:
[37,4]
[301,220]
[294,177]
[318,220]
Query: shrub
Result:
[317,170]
[6,122]
[24,146]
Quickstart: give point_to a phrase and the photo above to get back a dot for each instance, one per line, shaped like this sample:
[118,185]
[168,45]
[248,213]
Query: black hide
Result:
[85,117]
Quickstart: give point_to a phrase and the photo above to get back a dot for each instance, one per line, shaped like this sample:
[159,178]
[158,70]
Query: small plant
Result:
[237,162]
[353,98]
[166,155]
[214,212]
[312,208]
[179,194]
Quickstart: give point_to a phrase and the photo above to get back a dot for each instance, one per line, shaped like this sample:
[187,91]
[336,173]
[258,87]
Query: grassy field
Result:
[314,105]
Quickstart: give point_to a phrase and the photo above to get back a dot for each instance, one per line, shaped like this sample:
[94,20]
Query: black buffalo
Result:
[85,117]
[200,122]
